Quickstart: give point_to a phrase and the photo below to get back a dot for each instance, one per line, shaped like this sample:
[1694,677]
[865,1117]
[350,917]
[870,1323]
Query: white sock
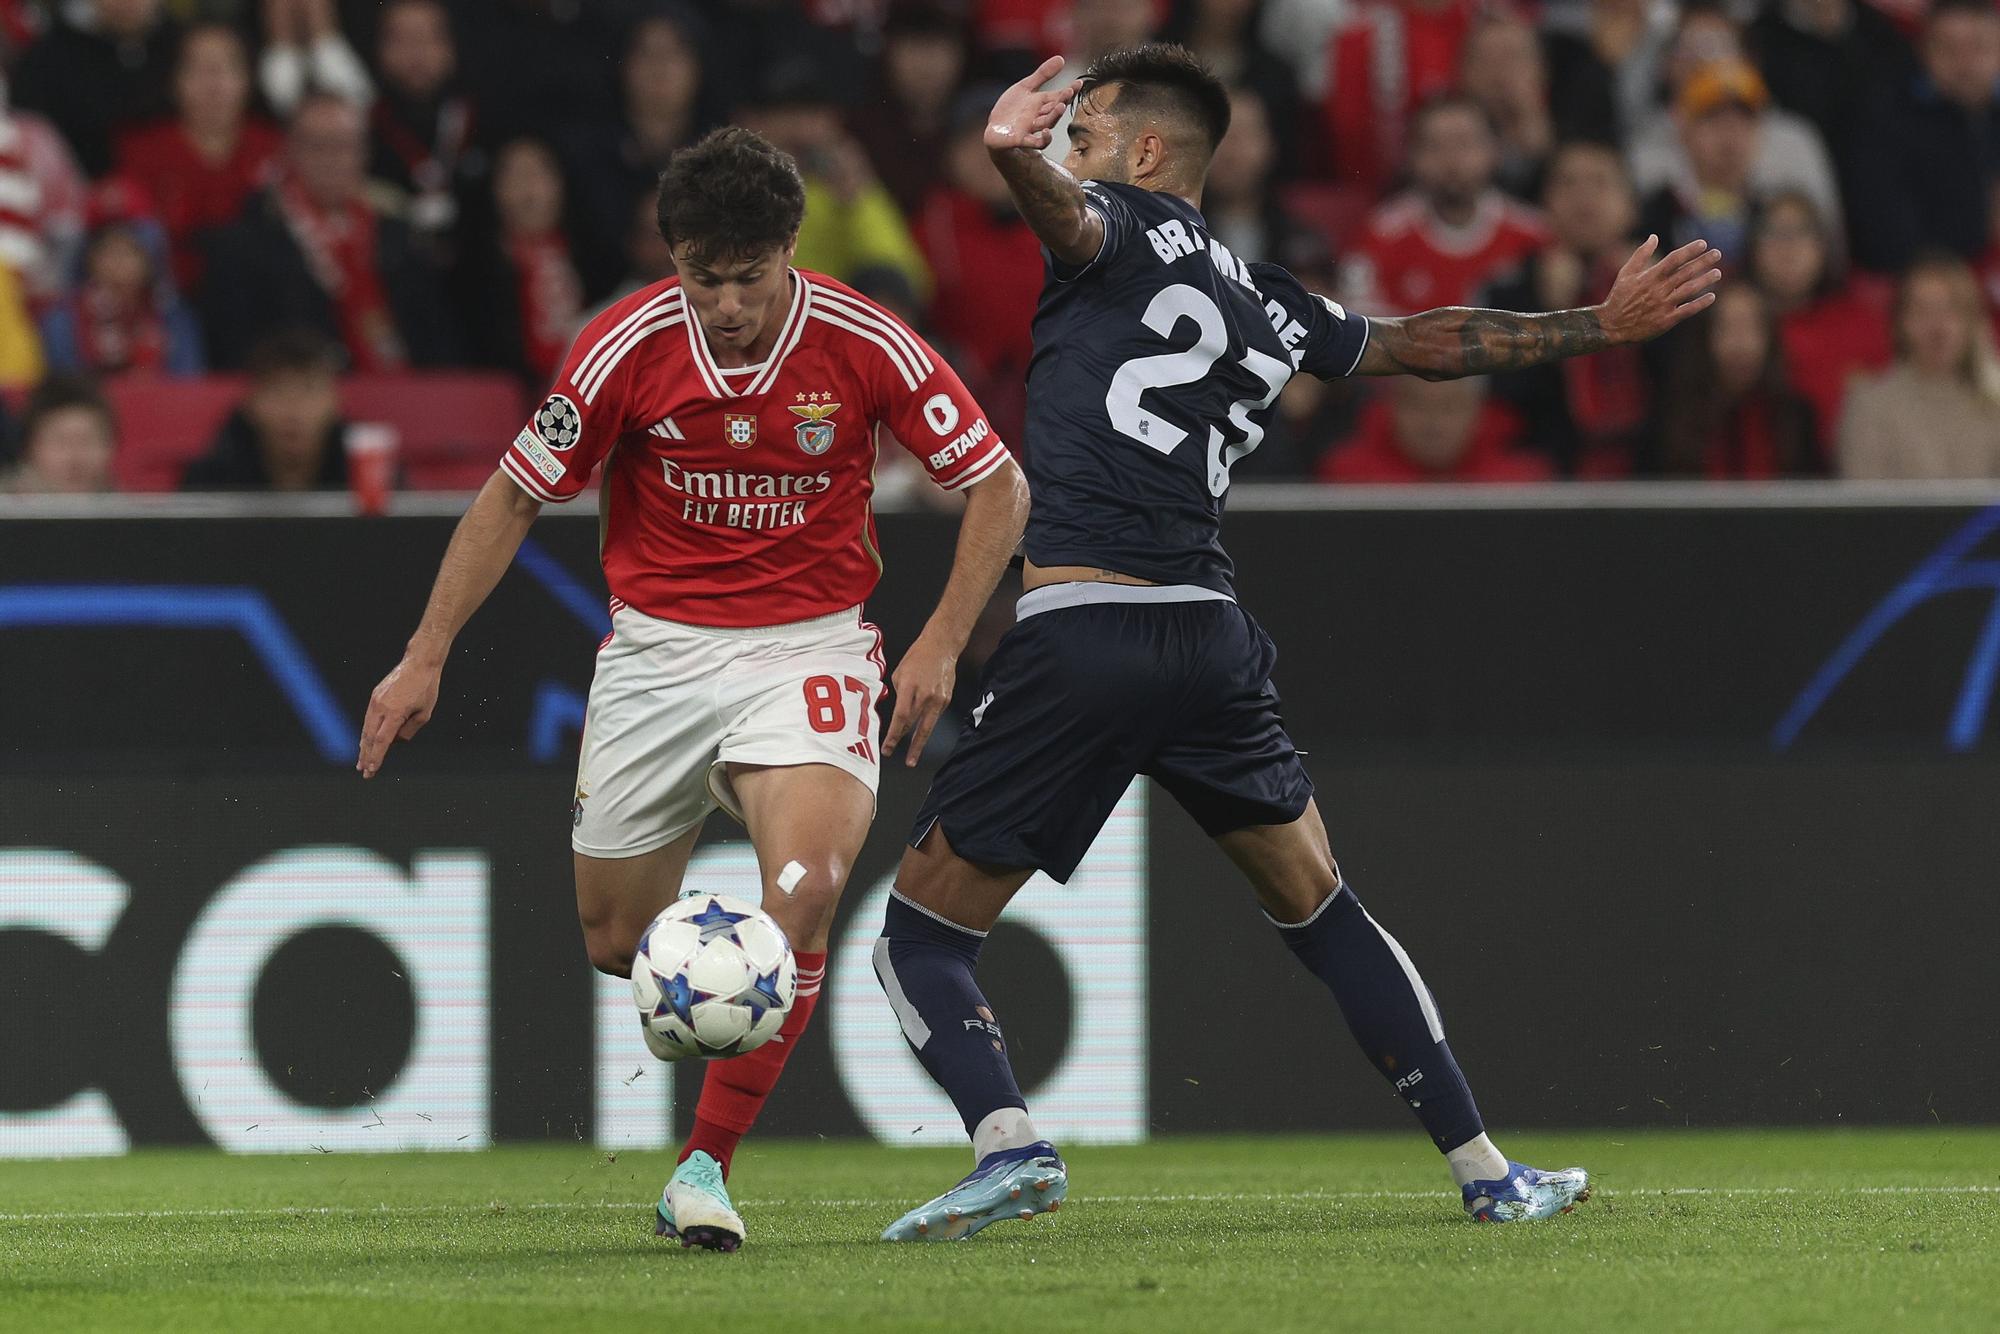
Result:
[1477,1160]
[1008,1128]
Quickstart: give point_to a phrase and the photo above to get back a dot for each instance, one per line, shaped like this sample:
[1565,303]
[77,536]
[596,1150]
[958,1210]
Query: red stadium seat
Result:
[164,424]
[453,425]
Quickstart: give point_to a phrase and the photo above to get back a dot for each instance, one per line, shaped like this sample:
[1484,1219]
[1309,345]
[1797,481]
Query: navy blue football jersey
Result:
[1156,368]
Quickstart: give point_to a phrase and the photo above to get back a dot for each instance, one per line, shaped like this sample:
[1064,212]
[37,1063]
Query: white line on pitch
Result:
[1220,1197]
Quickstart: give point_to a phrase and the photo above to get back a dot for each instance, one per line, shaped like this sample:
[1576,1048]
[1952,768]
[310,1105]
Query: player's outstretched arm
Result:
[1647,300]
[996,513]
[481,549]
[1021,126]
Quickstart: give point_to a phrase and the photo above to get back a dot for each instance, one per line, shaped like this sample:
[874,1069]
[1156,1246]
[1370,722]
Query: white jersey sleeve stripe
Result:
[910,378]
[639,335]
[524,477]
[882,323]
[585,368]
[983,466]
[601,364]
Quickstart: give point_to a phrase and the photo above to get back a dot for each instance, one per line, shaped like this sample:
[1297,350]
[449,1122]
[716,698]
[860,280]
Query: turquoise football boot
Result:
[1013,1183]
[695,1209]
[1526,1193]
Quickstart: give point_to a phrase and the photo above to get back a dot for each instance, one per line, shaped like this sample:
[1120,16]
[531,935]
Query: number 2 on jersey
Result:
[1164,370]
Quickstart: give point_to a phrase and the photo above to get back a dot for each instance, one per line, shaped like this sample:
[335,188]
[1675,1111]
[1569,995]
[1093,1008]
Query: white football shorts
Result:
[671,704]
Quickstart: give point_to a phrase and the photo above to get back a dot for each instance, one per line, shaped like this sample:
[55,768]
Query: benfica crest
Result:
[739,430]
[815,432]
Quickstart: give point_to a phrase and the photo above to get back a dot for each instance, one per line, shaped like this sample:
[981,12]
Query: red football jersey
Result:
[1406,260]
[741,496]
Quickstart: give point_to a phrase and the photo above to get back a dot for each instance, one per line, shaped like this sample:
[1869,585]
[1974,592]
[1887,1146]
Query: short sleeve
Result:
[1121,224]
[1326,339]
[931,411]
[553,457]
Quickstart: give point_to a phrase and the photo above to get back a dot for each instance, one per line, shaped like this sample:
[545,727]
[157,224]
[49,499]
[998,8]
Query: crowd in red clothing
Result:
[380,185]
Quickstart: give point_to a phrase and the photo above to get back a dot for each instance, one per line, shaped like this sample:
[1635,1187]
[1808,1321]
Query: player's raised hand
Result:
[397,709]
[1026,115]
[1650,298]
[923,683]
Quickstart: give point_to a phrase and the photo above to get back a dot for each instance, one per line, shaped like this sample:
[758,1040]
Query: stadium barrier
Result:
[1689,788]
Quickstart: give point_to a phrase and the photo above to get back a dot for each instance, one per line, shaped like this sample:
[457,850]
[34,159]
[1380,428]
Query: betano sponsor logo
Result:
[962,446]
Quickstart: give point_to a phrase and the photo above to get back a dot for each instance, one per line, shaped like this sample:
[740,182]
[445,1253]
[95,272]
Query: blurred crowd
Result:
[301,190]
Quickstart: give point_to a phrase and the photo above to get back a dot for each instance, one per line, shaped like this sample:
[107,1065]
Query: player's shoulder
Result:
[610,336]
[1145,207]
[1275,282]
[831,291]
[654,300]
[1275,279]
[863,330]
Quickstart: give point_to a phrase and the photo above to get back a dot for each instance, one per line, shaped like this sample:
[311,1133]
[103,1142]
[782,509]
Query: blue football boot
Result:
[1013,1183]
[695,1210]
[1526,1193]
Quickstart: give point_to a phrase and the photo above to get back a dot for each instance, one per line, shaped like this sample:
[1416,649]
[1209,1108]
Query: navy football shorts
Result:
[1079,699]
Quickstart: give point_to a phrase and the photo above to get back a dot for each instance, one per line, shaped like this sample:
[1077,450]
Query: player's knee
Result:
[810,892]
[610,947]
[1298,893]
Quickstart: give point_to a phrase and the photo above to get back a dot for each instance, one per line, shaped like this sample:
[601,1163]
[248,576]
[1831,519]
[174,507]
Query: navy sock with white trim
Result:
[1390,1012]
[926,965]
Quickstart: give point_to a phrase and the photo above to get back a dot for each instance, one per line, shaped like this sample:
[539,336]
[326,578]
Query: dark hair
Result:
[732,196]
[1698,420]
[60,393]
[1163,77]
[293,351]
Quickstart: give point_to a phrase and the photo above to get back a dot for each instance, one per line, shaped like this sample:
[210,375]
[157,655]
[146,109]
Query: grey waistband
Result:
[1051,597]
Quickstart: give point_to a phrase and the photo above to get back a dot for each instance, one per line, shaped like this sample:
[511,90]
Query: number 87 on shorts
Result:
[672,704]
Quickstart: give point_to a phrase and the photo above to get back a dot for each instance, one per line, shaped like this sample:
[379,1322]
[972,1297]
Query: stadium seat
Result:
[452,426]
[164,424]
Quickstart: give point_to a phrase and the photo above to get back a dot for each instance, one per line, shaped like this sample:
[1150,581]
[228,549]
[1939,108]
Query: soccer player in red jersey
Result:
[733,410]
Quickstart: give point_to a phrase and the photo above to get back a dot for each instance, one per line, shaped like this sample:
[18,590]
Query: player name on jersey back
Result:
[1156,369]
[738,496]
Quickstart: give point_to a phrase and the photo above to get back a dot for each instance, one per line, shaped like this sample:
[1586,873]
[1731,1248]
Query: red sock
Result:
[733,1091]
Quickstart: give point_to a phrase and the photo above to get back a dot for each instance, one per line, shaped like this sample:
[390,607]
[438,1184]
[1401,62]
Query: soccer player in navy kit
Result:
[1158,356]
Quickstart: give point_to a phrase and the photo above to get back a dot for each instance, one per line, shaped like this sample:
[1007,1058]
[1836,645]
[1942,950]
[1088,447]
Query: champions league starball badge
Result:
[558,423]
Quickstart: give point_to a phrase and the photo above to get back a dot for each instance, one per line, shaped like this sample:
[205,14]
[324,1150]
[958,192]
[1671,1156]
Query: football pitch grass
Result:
[1686,1231]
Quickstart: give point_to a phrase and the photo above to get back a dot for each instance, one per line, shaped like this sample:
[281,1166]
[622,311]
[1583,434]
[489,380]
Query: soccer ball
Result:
[714,976]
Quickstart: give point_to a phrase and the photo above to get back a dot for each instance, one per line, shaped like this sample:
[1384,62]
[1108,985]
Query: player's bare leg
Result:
[807,823]
[938,917]
[617,898]
[1390,1012]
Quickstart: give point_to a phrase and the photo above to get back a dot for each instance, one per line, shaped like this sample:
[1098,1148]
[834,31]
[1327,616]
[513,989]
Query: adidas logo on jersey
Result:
[665,429]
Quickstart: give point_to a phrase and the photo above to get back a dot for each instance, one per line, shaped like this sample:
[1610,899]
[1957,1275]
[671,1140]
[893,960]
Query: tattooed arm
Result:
[1646,301]
[1021,126]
